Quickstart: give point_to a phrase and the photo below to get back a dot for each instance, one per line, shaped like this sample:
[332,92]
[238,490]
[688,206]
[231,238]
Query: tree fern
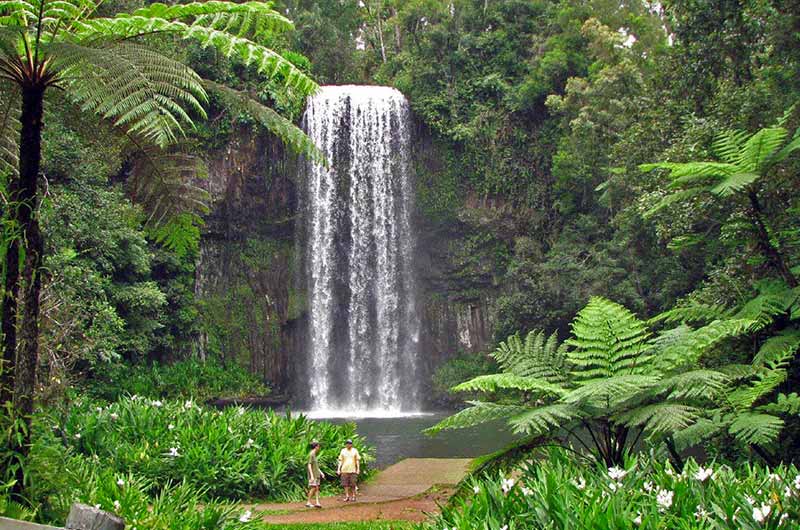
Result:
[756,428]
[661,418]
[607,340]
[785,343]
[544,419]
[610,392]
[495,382]
[479,412]
[784,404]
[537,356]
[286,131]
[694,384]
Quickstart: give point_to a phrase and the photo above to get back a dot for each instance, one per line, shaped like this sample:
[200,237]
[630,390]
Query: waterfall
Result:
[364,325]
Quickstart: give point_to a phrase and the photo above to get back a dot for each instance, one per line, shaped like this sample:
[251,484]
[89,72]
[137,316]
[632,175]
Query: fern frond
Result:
[695,344]
[701,430]
[266,61]
[728,146]
[479,412]
[704,384]
[286,131]
[761,146]
[163,182]
[774,298]
[495,382]
[765,382]
[660,418]
[9,130]
[537,356]
[544,419]
[734,183]
[783,404]
[694,312]
[670,199]
[180,233]
[248,17]
[778,347]
[756,428]
[607,340]
[140,90]
[609,392]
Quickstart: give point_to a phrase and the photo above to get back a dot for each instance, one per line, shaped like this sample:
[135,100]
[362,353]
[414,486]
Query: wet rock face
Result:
[252,287]
[245,272]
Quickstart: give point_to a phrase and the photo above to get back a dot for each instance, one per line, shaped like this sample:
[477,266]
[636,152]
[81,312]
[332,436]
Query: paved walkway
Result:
[404,491]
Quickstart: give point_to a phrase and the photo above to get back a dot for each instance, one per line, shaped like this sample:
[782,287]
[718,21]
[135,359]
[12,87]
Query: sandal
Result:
[317,506]
[309,505]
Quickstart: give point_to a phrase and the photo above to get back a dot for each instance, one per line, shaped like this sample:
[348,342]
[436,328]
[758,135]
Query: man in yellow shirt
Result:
[348,469]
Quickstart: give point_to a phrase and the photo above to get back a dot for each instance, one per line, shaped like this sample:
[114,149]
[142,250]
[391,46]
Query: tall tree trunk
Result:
[30,155]
[10,296]
[774,256]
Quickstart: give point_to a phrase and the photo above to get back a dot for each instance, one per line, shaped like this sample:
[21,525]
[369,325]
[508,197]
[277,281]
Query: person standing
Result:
[314,475]
[348,469]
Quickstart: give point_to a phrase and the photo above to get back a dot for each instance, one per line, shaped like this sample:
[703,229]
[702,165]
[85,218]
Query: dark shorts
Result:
[349,480]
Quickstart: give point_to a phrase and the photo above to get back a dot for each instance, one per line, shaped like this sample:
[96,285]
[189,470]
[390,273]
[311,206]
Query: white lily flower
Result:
[120,482]
[638,520]
[246,516]
[616,473]
[703,473]
[476,489]
[760,514]
[664,499]
[173,451]
[580,483]
[507,484]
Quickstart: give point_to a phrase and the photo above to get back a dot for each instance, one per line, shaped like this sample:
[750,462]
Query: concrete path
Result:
[403,491]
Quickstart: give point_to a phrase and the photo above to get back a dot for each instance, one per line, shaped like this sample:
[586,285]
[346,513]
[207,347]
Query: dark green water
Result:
[401,437]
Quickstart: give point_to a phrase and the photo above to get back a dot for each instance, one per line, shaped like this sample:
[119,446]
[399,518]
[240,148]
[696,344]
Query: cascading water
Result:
[364,325]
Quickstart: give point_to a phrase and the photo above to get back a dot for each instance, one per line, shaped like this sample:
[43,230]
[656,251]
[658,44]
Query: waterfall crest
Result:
[364,325]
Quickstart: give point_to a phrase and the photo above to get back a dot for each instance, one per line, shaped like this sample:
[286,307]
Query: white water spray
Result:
[364,325]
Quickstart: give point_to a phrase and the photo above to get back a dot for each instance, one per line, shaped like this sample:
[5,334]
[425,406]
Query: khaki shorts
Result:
[313,483]
[349,480]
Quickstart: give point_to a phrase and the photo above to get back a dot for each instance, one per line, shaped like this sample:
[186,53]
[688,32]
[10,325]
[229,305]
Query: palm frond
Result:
[756,428]
[607,340]
[479,412]
[495,382]
[285,130]
[541,420]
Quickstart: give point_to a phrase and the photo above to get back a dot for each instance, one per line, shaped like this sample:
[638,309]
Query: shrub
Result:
[60,478]
[232,453]
[559,492]
[191,378]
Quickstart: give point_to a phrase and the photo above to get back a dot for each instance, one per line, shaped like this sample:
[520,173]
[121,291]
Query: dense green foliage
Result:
[232,453]
[174,456]
[189,379]
[559,491]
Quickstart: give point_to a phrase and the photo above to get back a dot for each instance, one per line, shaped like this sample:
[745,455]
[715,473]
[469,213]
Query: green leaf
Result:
[479,412]
[494,382]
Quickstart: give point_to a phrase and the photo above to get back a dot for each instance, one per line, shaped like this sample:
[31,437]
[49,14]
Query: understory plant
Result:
[604,387]
[557,491]
[233,453]
[187,379]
